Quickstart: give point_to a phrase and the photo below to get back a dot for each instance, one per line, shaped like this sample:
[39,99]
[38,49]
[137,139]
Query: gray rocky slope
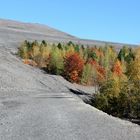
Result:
[38,106]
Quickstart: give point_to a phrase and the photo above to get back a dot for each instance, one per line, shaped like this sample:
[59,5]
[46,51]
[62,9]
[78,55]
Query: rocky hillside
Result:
[13,32]
[38,106]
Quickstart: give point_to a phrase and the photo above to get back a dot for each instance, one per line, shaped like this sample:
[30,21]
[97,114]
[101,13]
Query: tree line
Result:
[116,74]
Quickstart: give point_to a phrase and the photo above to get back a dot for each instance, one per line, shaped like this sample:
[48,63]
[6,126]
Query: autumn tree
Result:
[117,68]
[73,67]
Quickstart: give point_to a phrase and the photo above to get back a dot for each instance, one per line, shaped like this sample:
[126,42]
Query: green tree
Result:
[24,50]
[88,74]
[126,54]
[56,62]
[59,46]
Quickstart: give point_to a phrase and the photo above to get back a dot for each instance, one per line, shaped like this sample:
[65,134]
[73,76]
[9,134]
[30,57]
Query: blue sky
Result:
[108,20]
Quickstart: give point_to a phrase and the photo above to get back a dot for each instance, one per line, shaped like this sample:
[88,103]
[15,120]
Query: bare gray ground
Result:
[38,106]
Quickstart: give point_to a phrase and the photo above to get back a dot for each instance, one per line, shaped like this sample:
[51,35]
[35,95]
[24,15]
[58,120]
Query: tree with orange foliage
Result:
[101,73]
[73,67]
[117,68]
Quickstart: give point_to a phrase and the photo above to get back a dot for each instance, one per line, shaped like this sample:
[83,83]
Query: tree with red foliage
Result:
[73,67]
[100,70]
[92,62]
[101,73]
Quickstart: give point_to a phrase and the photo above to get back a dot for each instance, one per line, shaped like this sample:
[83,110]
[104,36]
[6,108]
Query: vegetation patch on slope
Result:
[116,75]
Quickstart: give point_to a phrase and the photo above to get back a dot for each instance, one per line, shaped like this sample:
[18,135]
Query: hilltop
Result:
[13,32]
